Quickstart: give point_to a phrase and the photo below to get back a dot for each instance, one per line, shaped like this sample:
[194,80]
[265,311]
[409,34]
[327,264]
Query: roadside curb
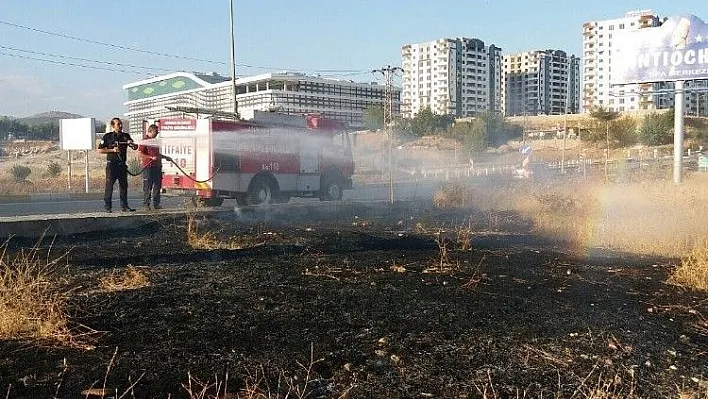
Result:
[8,199]
[36,226]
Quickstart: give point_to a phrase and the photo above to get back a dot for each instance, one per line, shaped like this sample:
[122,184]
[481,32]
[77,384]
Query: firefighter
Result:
[115,145]
[152,170]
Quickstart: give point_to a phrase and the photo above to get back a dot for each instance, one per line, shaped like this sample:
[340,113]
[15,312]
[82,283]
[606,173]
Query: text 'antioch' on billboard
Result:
[676,50]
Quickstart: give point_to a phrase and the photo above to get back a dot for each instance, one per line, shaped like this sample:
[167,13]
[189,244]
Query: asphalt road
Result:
[368,192]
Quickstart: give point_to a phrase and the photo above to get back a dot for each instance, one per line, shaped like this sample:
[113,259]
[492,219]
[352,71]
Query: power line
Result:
[118,46]
[85,59]
[346,72]
[116,64]
[73,64]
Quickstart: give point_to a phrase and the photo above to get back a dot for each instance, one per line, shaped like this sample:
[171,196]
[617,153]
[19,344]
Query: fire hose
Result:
[165,157]
[172,161]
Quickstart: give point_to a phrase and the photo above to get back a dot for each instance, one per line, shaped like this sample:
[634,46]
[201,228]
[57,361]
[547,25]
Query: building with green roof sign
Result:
[286,92]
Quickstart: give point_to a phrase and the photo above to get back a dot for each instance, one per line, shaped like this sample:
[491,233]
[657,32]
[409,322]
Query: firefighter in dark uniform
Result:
[115,145]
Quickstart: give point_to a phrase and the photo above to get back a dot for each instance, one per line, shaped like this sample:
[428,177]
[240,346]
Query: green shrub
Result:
[657,128]
[20,172]
[53,169]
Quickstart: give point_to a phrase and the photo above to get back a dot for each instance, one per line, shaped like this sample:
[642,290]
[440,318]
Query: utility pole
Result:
[523,132]
[233,60]
[565,120]
[523,105]
[388,72]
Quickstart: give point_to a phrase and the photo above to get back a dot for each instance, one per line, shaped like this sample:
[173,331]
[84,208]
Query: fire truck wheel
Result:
[260,191]
[241,200]
[332,190]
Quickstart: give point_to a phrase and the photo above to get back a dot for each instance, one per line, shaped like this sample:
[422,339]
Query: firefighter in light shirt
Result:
[152,170]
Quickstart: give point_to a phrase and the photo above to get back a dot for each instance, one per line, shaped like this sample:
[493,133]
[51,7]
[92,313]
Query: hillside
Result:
[52,117]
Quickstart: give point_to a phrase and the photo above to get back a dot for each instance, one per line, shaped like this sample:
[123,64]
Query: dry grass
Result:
[599,383]
[201,235]
[197,389]
[199,238]
[693,271]
[31,304]
[131,278]
[454,195]
[656,217]
[648,218]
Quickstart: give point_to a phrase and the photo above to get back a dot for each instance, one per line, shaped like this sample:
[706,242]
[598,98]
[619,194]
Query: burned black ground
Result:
[366,293]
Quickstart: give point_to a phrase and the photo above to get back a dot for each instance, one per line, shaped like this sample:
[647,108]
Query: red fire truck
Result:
[268,159]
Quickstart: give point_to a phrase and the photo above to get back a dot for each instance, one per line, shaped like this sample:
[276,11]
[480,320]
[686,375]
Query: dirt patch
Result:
[374,301]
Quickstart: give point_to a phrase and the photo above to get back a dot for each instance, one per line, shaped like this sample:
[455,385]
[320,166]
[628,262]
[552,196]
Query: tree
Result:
[428,122]
[623,132]
[601,114]
[488,129]
[424,122]
[12,126]
[100,127]
[473,134]
[657,128]
[498,131]
[44,131]
[373,117]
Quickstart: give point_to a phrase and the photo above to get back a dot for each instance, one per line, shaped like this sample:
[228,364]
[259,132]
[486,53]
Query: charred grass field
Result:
[513,290]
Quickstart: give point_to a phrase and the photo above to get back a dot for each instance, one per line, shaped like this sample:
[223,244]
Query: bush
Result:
[453,195]
[20,172]
[53,169]
[623,132]
[657,128]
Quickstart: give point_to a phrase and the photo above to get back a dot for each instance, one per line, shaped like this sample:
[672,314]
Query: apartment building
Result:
[286,92]
[540,82]
[460,77]
[597,76]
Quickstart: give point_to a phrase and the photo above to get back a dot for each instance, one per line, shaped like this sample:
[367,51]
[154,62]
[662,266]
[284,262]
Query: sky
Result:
[75,55]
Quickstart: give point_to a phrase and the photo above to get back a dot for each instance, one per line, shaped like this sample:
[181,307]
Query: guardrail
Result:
[457,171]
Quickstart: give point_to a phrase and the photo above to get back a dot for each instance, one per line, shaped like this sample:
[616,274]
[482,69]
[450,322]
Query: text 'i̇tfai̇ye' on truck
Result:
[268,159]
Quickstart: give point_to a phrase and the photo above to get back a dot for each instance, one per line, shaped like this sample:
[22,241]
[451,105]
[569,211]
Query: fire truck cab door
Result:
[308,178]
[309,160]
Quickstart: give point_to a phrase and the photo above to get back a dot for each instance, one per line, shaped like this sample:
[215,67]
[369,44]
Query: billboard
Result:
[676,50]
[77,134]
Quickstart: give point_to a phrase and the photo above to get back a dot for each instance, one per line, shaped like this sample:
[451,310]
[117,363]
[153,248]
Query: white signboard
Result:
[77,134]
[676,50]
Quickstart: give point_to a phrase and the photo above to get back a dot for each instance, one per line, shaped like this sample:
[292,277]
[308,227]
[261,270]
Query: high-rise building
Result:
[286,92]
[597,76]
[540,82]
[460,77]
